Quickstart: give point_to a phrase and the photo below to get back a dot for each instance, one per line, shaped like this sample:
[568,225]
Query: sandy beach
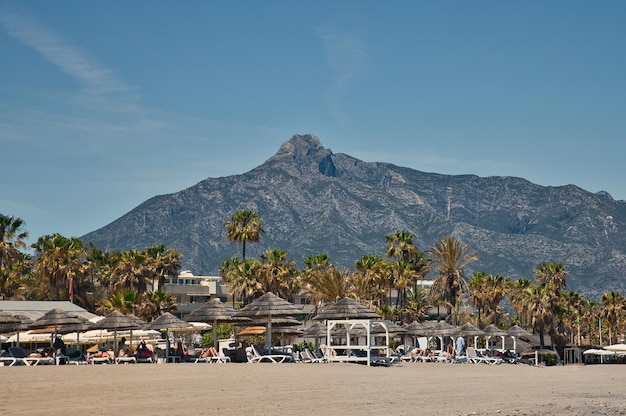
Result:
[314,389]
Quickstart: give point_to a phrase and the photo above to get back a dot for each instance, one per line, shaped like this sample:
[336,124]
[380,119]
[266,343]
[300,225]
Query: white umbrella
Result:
[616,348]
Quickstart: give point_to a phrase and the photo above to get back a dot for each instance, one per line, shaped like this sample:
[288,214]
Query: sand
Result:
[313,389]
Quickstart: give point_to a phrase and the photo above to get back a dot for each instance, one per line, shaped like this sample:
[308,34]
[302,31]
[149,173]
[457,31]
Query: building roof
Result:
[36,309]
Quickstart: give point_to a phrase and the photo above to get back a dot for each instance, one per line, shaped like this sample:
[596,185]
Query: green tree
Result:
[153,304]
[13,263]
[612,311]
[244,226]
[62,262]
[278,273]
[450,259]
[161,263]
[242,278]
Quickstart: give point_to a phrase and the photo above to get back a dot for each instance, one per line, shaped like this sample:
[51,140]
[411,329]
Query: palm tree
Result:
[612,311]
[162,262]
[153,304]
[538,305]
[450,258]
[242,278]
[125,301]
[12,262]
[62,262]
[130,270]
[553,275]
[327,286]
[416,308]
[244,226]
[278,274]
[372,276]
[400,246]
[516,290]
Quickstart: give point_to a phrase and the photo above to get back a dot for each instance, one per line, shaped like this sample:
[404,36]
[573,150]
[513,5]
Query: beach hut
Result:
[349,316]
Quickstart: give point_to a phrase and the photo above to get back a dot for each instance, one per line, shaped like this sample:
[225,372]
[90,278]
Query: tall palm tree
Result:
[450,259]
[553,275]
[400,246]
[62,262]
[130,270]
[244,226]
[12,261]
[153,304]
[242,278]
[612,311]
[373,275]
[538,304]
[278,273]
[162,262]
[516,290]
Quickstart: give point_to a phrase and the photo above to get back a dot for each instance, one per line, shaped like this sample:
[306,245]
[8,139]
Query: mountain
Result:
[313,201]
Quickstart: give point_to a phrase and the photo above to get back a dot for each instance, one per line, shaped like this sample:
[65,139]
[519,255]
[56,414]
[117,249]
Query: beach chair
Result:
[21,355]
[476,357]
[9,361]
[311,357]
[74,356]
[256,355]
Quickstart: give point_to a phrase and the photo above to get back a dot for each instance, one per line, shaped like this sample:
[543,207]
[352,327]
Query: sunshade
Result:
[469,329]
[346,308]
[8,323]
[167,321]
[54,318]
[214,311]
[283,321]
[269,306]
[615,347]
[315,330]
[517,331]
[417,329]
[444,329]
[252,330]
[117,321]
[493,330]
[392,329]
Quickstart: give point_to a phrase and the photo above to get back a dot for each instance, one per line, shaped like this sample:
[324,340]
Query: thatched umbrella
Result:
[55,319]
[346,308]
[212,312]
[443,329]
[25,321]
[117,321]
[416,329]
[492,331]
[8,323]
[168,322]
[469,329]
[267,307]
[516,332]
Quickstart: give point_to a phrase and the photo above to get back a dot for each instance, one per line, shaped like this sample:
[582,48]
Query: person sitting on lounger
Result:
[143,351]
[123,351]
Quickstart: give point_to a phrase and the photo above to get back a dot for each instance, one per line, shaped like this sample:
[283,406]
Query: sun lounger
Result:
[20,354]
[475,357]
[125,360]
[9,361]
[256,355]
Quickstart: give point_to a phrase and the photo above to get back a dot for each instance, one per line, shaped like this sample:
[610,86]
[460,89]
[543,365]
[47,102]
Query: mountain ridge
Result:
[311,200]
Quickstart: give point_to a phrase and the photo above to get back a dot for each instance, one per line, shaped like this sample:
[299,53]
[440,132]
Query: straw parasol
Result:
[346,308]
[168,322]
[268,307]
[469,329]
[252,330]
[214,311]
[8,323]
[494,331]
[516,332]
[117,321]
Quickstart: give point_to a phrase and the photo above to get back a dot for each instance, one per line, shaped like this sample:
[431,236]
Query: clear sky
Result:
[106,104]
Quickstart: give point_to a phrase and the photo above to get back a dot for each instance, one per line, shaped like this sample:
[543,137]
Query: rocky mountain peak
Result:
[301,146]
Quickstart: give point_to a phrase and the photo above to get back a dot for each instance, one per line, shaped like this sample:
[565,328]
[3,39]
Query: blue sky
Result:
[106,104]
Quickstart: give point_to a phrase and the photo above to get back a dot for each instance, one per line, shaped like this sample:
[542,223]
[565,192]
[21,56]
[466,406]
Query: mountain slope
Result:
[312,201]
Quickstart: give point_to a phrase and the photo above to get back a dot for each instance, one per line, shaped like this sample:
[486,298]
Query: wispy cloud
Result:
[94,78]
